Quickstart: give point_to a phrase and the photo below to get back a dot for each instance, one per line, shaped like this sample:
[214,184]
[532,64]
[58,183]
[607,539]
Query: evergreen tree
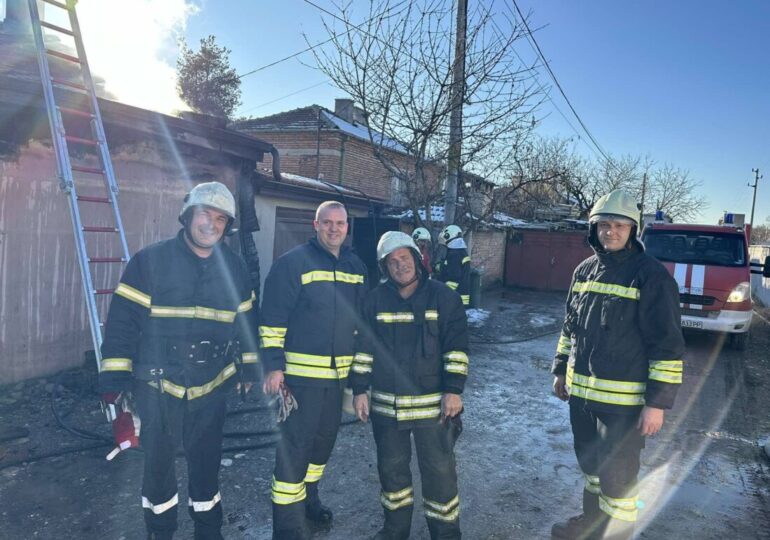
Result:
[205,80]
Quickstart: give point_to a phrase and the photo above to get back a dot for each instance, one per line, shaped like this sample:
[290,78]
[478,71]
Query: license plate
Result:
[686,323]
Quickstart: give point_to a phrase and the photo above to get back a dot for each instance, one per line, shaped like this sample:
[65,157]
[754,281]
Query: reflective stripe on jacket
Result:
[169,301]
[310,312]
[411,351]
[621,346]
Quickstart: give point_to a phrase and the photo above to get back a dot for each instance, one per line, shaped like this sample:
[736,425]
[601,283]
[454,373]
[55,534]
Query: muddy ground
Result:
[704,476]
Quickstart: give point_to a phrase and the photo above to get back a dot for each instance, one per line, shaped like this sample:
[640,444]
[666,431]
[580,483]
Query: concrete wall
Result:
[760,286]
[43,321]
[488,255]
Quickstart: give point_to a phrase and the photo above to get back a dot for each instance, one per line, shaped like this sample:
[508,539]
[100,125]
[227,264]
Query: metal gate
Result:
[544,260]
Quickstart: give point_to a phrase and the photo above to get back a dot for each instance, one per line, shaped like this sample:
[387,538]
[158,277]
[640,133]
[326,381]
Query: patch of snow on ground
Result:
[477,317]
[540,320]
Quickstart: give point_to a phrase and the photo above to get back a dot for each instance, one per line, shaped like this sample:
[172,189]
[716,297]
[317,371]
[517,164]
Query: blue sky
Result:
[684,82]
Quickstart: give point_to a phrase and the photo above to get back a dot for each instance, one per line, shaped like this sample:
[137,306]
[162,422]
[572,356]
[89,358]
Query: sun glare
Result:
[133,46]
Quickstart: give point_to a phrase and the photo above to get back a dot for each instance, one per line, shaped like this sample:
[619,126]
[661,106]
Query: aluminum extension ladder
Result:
[82,109]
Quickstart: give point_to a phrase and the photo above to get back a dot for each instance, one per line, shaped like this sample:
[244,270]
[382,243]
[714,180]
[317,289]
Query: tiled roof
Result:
[362,132]
[303,119]
[307,119]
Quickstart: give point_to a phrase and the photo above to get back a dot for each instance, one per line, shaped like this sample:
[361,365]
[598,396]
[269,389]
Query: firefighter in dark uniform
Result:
[311,305]
[455,268]
[618,363]
[181,324]
[422,238]
[413,353]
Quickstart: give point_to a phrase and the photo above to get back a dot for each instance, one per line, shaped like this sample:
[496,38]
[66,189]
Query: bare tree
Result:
[398,67]
[760,235]
[676,193]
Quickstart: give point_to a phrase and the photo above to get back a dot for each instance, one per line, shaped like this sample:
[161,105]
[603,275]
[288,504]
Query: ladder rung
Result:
[57,4]
[92,170]
[88,198]
[80,140]
[57,28]
[76,112]
[63,56]
[89,228]
[70,84]
[106,259]
[104,291]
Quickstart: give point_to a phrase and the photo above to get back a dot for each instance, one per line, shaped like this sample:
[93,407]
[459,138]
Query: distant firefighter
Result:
[455,269]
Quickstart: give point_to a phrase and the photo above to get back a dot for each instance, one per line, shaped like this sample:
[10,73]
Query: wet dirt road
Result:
[703,476]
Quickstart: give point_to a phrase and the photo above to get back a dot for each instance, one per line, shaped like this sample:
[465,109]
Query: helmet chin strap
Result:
[404,285]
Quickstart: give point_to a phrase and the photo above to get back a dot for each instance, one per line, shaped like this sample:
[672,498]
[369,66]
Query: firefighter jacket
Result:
[310,313]
[411,351]
[621,345]
[455,271]
[182,323]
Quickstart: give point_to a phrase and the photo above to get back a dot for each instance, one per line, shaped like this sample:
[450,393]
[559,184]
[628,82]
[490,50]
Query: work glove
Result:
[125,425]
[286,402]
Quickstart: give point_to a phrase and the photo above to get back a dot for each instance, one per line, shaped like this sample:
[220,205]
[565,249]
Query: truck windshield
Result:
[694,247]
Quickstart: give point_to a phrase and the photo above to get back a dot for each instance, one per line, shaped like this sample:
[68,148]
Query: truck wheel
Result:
[739,341]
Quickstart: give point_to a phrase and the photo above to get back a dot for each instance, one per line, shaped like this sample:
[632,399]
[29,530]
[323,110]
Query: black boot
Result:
[386,534]
[163,535]
[314,510]
[587,526]
[291,534]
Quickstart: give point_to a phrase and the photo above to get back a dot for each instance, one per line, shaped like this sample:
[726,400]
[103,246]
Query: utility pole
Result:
[754,200]
[641,205]
[456,117]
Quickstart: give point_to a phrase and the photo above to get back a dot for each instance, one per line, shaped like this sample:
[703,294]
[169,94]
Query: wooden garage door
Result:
[293,226]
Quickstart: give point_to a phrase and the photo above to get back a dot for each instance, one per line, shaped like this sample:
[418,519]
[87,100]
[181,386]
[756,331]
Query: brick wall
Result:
[343,160]
[488,255]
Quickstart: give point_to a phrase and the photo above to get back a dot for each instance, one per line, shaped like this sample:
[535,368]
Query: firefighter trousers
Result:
[435,457]
[608,447]
[307,439]
[165,421]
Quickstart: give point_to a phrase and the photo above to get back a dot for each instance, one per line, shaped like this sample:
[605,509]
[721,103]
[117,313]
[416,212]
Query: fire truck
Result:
[711,265]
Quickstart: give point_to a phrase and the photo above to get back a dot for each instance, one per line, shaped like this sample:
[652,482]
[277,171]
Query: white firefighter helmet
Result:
[421,233]
[449,233]
[393,240]
[616,203]
[390,242]
[212,194]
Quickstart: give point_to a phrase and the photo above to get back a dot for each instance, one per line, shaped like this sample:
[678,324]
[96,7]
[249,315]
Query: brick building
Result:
[315,142]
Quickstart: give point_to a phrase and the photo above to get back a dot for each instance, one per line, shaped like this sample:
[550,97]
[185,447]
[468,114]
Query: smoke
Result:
[133,46]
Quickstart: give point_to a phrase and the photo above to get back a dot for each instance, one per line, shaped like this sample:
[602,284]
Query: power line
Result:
[536,47]
[547,93]
[311,47]
[286,96]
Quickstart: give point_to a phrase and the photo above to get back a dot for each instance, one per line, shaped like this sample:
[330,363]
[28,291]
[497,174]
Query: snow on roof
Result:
[436,213]
[505,219]
[318,184]
[362,132]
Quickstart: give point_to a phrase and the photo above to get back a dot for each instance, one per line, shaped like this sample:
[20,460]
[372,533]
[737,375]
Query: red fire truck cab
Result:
[711,265]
